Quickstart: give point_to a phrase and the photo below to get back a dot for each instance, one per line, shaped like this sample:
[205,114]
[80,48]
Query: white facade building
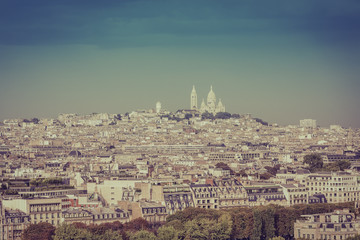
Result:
[211,105]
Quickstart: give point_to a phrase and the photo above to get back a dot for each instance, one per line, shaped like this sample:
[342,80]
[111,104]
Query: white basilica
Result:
[210,105]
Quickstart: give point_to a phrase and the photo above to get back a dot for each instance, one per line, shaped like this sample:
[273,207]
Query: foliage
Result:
[242,223]
[224,166]
[100,229]
[40,231]
[107,235]
[261,121]
[33,120]
[223,115]
[235,115]
[11,192]
[314,161]
[273,170]
[265,176]
[340,165]
[70,232]
[188,116]
[277,238]
[45,181]
[142,235]
[137,225]
[207,115]
[167,233]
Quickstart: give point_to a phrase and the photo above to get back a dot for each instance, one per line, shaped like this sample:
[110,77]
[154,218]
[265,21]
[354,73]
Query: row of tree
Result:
[316,164]
[219,115]
[257,223]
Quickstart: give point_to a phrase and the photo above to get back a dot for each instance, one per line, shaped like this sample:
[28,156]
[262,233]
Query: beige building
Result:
[39,209]
[295,194]
[150,211]
[205,196]
[12,223]
[72,215]
[264,194]
[337,225]
[337,187]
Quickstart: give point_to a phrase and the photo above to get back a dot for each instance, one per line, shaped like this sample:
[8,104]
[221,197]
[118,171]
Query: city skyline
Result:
[281,62]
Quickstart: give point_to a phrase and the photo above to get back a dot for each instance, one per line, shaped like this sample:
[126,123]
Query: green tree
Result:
[107,235]
[188,116]
[198,229]
[142,235]
[167,233]
[207,115]
[222,230]
[70,232]
[340,165]
[268,218]
[258,225]
[136,225]
[242,223]
[277,238]
[40,231]
[314,161]
[222,115]
[224,166]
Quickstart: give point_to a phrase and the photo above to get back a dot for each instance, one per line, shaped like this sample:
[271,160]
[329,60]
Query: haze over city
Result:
[282,61]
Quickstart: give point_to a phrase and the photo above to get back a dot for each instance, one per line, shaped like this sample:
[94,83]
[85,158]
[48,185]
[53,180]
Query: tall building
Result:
[158,107]
[193,99]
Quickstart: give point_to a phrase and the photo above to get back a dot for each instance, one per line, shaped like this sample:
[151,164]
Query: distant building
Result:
[39,209]
[12,223]
[338,225]
[210,106]
[158,107]
[337,187]
[308,123]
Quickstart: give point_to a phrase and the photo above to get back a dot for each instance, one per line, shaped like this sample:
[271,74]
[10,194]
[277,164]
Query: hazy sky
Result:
[282,61]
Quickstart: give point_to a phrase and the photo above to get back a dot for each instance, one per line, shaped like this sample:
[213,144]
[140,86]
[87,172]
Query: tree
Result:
[207,115]
[198,229]
[277,238]
[222,230]
[136,225]
[107,235]
[35,120]
[167,233]
[314,161]
[70,232]
[340,165]
[40,231]
[235,115]
[222,115]
[265,176]
[224,166]
[272,170]
[188,116]
[142,235]
[258,225]
[118,117]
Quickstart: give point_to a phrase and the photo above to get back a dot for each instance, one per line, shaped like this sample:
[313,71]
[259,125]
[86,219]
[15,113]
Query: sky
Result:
[280,60]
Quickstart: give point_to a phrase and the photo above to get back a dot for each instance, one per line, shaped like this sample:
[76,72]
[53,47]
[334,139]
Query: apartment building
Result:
[337,187]
[39,209]
[338,225]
